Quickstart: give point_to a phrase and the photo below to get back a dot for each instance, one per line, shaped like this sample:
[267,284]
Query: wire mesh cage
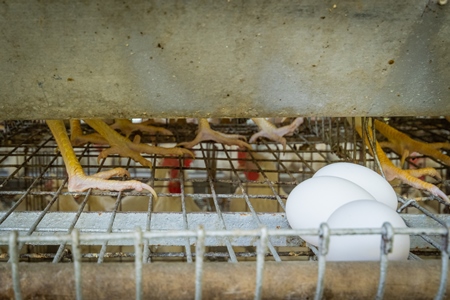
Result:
[220,214]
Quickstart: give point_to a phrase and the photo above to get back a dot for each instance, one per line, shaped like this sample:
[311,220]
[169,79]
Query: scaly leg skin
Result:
[77,138]
[205,133]
[404,145]
[78,180]
[127,127]
[270,131]
[409,176]
[406,176]
[126,148]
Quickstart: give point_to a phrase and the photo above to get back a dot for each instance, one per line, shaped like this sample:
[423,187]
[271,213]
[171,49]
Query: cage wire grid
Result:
[35,225]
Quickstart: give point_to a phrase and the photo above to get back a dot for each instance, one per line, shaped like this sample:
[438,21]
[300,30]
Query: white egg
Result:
[314,200]
[365,214]
[368,179]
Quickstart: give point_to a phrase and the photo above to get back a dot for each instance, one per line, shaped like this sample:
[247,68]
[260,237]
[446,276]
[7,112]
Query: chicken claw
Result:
[78,180]
[410,176]
[124,147]
[270,131]
[406,176]
[205,133]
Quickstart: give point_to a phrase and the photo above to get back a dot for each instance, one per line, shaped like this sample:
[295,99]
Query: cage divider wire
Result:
[267,181]
[14,173]
[110,224]
[146,253]
[267,149]
[253,212]
[75,237]
[223,225]
[183,211]
[199,253]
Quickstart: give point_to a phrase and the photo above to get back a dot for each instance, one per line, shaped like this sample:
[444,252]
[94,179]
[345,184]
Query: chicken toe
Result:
[205,133]
[270,131]
[392,172]
[126,148]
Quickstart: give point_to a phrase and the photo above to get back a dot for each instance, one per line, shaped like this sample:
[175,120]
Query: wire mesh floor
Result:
[227,191]
[217,189]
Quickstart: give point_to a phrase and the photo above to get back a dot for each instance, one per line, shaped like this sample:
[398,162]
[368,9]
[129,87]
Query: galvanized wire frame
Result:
[263,234]
[141,237]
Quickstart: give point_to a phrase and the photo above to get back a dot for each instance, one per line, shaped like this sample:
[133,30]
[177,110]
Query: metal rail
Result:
[218,234]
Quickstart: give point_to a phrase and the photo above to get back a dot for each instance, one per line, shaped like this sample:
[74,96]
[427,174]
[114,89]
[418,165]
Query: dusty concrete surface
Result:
[223,58]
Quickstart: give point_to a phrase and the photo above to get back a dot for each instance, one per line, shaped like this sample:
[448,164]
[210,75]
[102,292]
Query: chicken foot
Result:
[205,133]
[392,172]
[126,148]
[270,131]
[78,180]
[403,145]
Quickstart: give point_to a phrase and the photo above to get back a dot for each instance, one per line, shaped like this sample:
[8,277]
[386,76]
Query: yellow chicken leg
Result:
[78,180]
[78,139]
[404,145]
[126,148]
[392,172]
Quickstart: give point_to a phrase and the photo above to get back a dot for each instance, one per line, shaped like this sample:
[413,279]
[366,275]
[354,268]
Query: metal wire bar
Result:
[218,210]
[27,191]
[111,220]
[372,144]
[324,241]
[258,221]
[44,212]
[146,254]
[269,183]
[75,238]
[183,209]
[199,253]
[427,213]
[60,251]
[331,132]
[109,228]
[386,248]
[24,144]
[14,260]
[138,262]
[89,237]
[261,251]
[281,164]
[444,268]
[444,274]
[426,133]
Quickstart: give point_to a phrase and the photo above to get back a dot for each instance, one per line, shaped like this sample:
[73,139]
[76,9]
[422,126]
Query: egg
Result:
[365,214]
[314,200]
[368,179]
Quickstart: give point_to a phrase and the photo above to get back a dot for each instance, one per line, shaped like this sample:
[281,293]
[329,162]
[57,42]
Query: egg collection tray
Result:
[34,226]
